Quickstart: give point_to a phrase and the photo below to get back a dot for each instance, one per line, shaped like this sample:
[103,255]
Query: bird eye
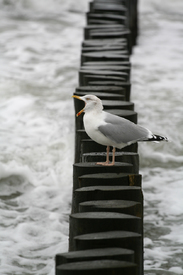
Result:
[87,98]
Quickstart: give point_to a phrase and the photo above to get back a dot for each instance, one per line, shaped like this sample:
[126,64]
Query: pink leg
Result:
[113,156]
[107,158]
[107,155]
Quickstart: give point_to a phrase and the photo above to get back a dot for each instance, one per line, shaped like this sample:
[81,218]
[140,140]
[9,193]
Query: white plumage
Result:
[110,130]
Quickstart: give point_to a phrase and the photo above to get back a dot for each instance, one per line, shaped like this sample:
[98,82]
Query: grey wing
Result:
[121,130]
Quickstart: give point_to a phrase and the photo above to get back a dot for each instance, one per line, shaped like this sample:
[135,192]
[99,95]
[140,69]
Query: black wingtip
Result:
[158,138]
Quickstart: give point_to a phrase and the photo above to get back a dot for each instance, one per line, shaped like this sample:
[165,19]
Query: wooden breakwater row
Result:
[106,223]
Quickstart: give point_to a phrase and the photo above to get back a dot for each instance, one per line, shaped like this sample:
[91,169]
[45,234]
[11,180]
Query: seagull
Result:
[111,130]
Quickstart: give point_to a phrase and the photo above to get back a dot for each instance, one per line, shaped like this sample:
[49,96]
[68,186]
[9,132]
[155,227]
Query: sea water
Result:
[40,54]
[157,90]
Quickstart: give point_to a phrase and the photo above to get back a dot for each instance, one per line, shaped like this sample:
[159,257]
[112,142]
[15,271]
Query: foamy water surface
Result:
[158,94]
[40,51]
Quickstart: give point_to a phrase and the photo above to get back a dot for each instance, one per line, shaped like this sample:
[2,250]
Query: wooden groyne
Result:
[106,221]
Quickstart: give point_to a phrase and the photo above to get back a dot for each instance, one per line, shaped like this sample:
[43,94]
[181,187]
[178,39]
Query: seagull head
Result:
[92,102]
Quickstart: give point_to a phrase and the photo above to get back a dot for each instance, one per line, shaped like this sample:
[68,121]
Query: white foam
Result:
[38,76]
[157,80]
[176,269]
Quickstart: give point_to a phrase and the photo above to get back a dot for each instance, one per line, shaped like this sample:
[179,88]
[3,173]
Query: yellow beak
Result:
[76,96]
[80,112]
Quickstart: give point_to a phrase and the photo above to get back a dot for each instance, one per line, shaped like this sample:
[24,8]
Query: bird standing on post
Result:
[111,130]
